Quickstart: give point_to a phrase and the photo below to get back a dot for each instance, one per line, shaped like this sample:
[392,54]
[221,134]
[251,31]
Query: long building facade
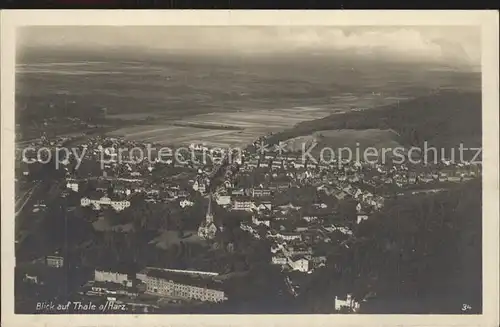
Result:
[161,284]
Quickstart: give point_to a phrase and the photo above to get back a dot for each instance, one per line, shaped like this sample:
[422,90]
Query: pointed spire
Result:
[209,217]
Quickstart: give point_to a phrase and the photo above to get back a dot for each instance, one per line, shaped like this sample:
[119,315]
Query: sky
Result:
[452,44]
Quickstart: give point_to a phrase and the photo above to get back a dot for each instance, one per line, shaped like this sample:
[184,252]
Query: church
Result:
[207,229]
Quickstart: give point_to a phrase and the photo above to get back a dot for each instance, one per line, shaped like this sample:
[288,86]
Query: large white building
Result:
[223,200]
[348,304]
[279,260]
[72,186]
[300,264]
[257,221]
[112,277]
[186,203]
[243,205]
[104,201]
[174,286]
[259,192]
[54,261]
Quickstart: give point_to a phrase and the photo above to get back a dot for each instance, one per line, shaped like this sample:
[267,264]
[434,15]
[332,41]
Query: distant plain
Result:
[176,100]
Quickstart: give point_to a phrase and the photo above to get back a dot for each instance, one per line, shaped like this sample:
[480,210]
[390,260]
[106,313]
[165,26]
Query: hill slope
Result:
[443,120]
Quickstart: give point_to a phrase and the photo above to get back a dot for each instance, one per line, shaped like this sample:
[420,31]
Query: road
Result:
[23,200]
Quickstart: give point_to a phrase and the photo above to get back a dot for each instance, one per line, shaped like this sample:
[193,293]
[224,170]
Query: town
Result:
[202,216]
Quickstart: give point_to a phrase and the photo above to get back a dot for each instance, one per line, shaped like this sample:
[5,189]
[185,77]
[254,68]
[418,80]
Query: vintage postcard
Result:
[244,168]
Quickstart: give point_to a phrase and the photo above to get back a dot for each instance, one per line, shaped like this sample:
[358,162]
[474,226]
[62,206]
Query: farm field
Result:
[248,124]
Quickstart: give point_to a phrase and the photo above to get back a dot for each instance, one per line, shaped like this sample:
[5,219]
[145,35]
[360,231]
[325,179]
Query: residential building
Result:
[257,192]
[257,221]
[310,219]
[172,285]
[279,260]
[54,261]
[238,192]
[300,264]
[199,186]
[348,304]
[266,205]
[105,201]
[72,186]
[186,203]
[109,276]
[244,205]
[361,217]
[290,236]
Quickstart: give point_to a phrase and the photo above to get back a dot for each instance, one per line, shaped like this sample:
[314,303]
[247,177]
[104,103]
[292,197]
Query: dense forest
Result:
[421,254]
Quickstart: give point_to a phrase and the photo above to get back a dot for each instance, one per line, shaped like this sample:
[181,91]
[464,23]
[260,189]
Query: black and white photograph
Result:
[214,168]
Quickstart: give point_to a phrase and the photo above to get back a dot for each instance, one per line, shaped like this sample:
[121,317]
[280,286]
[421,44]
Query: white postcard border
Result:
[488,20]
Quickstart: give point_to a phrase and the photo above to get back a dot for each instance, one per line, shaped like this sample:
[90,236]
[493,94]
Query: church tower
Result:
[209,217]
[207,229]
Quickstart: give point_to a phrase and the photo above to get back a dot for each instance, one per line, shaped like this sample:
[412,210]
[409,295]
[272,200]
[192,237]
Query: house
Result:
[379,201]
[289,207]
[297,251]
[276,164]
[349,190]
[238,192]
[253,164]
[72,186]
[246,228]
[30,279]
[348,304]
[109,276]
[269,156]
[54,261]
[119,189]
[342,229]
[168,284]
[257,221]
[171,194]
[310,219]
[318,261]
[153,192]
[264,206]
[300,264]
[104,201]
[243,205]
[199,186]
[320,205]
[361,217]
[290,236]
[223,200]
[186,203]
[353,179]
[298,165]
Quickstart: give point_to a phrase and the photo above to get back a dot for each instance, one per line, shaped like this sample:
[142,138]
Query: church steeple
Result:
[207,229]
[209,218]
